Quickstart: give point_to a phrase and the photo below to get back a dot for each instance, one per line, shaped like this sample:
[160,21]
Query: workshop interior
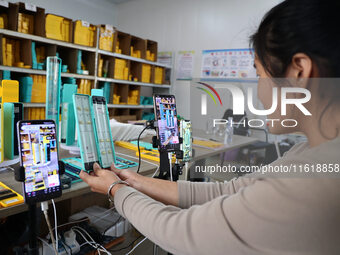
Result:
[169,90]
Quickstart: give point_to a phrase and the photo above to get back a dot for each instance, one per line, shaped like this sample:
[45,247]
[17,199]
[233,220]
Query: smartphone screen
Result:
[39,157]
[166,117]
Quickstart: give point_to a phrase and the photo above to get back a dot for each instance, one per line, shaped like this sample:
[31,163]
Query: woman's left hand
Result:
[100,180]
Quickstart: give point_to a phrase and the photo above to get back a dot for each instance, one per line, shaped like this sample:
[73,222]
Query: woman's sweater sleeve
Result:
[242,223]
[197,193]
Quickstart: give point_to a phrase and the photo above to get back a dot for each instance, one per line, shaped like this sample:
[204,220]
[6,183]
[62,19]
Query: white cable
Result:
[44,208]
[186,171]
[136,158]
[170,163]
[107,212]
[142,161]
[55,224]
[78,221]
[136,246]
[87,241]
[75,228]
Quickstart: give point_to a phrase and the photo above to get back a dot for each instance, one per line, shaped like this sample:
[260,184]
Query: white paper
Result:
[185,65]
[85,23]
[165,58]
[30,7]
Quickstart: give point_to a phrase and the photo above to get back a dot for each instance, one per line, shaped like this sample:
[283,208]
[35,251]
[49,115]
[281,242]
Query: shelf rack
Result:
[95,78]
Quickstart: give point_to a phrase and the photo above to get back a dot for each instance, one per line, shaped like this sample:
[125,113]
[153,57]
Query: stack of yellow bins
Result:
[25,23]
[3,20]
[158,75]
[106,38]
[84,87]
[84,33]
[36,113]
[133,96]
[121,70]
[58,27]
[146,73]
[38,89]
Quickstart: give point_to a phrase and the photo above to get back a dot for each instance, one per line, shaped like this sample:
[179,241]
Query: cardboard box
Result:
[124,118]
[27,18]
[121,91]
[106,37]
[58,28]
[84,33]
[151,50]
[134,95]
[122,42]
[136,71]
[137,113]
[4,14]
[15,52]
[138,47]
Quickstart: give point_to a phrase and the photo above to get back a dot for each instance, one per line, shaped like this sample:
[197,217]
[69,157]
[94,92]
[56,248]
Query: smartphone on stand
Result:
[167,126]
[186,134]
[39,156]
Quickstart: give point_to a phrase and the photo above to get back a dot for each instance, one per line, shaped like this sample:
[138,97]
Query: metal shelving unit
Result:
[95,78]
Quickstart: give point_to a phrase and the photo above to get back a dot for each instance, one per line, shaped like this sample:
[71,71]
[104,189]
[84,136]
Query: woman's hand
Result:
[100,180]
[131,177]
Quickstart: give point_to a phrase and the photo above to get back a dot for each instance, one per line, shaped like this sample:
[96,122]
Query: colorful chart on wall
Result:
[228,64]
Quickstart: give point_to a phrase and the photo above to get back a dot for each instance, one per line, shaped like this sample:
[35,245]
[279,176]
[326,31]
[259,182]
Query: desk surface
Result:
[81,188]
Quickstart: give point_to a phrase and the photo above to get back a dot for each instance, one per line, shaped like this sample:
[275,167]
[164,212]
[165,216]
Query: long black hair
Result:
[300,26]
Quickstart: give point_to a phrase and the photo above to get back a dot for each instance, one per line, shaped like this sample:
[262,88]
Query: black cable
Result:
[139,156]
[127,245]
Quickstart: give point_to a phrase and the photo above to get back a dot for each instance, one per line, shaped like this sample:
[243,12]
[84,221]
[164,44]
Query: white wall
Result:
[95,12]
[192,25]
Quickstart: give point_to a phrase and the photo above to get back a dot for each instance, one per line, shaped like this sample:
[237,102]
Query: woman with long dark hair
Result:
[298,40]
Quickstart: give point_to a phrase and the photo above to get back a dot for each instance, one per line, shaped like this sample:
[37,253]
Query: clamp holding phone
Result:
[164,168]
[19,173]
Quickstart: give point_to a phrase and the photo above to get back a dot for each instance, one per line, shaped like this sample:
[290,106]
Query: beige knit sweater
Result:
[247,215]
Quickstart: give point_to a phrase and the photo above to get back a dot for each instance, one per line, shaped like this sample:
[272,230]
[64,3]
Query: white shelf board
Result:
[133,83]
[43,72]
[117,55]
[130,106]
[33,105]
[45,40]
